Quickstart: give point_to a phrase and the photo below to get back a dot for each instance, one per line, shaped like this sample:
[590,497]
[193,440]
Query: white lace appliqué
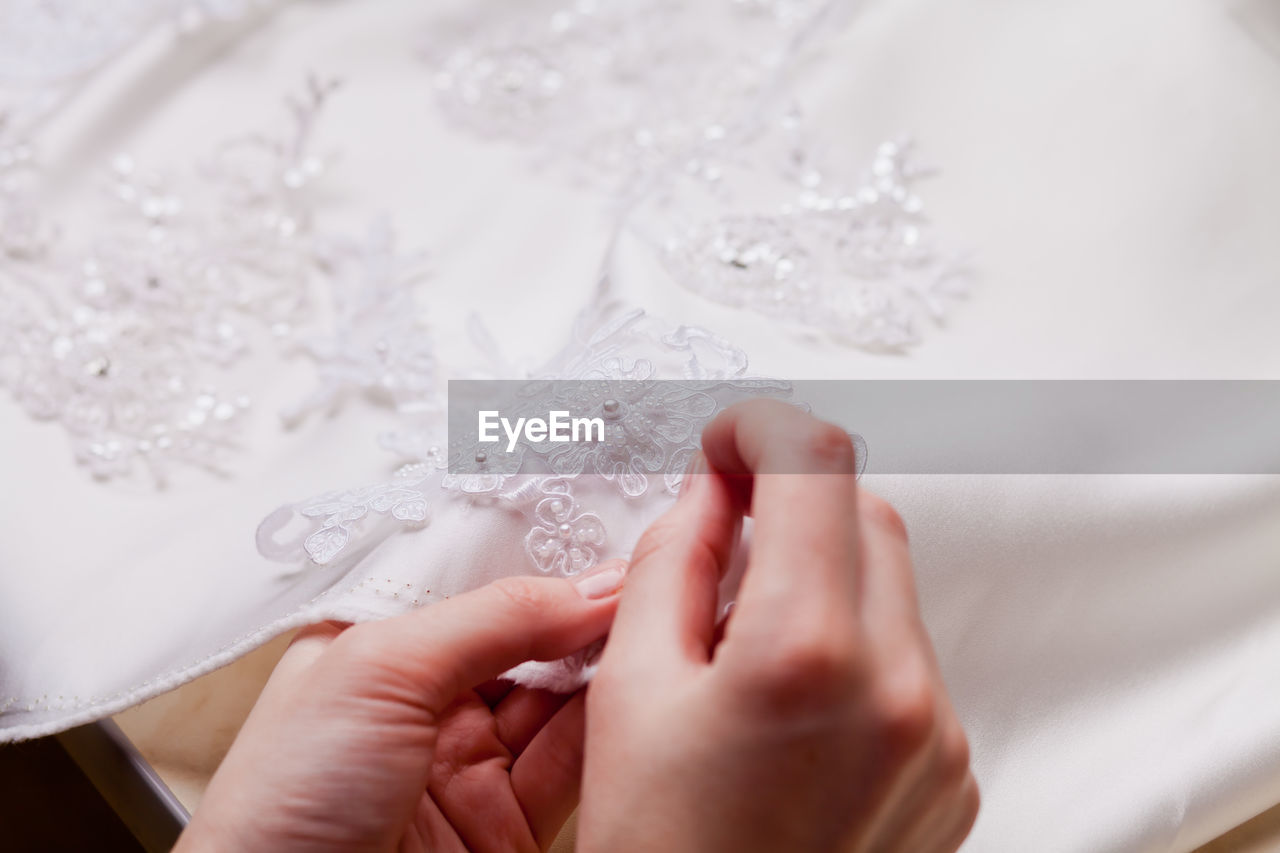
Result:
[659,101]
[340,513]
[563,540]
[856,260]
[377,343]
[616,91]
[128,338]
[652,428]
[121,339]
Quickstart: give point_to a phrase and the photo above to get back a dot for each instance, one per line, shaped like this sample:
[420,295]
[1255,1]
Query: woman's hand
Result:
[392,735]
[818,721]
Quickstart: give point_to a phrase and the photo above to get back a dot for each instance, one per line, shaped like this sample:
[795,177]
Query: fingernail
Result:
[603,582]
[693,474]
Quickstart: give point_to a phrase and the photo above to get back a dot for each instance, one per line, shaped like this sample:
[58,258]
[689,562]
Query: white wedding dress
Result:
[243,246]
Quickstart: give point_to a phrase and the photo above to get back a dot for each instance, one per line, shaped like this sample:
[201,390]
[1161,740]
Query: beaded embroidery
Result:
[121,340]
[615,91]
[855,259]
[660,101]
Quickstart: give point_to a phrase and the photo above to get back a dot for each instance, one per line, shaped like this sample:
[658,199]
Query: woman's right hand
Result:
[819,720]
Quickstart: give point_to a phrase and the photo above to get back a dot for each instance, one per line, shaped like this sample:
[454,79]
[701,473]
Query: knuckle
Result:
[970,802]
[829,446]
[881,513]
[905,712]
[809,673]
[953,753]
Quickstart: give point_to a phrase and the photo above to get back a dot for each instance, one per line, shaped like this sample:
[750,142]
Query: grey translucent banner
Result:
[909,427]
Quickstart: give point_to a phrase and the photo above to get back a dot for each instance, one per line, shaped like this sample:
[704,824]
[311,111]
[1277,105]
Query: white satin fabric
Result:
[1110,641]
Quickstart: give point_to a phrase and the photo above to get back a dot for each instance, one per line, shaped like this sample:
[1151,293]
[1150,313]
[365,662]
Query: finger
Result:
[547,778]
[437,833]
[494,691]
[890,609]
[802,567]
[895,633]
[886,556]
[470,782]
[523,713]
[432,654]
[943,827]
[908,676]
[668,610]
[914,801]
[303,651]
[965,814]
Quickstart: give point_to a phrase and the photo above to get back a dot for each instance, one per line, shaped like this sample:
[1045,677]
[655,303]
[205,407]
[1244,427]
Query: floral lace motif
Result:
[402,498]
[119,340]
[378,343]
[653,426]
[661,101]
[122,341]
[485,472]
[563,540]
[646,425]
[617,91]
[854,260]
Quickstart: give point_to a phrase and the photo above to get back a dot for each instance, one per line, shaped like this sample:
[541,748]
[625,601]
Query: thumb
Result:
[668,612]
[453,645]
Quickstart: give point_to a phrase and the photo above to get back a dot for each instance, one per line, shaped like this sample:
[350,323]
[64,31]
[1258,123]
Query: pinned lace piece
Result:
[652,428]
[646,425]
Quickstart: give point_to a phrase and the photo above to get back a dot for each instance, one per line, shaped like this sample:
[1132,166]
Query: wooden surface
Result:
[1260,835]
[185,733]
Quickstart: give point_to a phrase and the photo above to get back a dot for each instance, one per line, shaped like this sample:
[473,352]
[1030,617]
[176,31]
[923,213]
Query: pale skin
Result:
[813,719]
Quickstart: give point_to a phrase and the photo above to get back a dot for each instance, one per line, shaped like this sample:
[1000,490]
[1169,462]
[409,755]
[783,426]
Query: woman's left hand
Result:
[394,735]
